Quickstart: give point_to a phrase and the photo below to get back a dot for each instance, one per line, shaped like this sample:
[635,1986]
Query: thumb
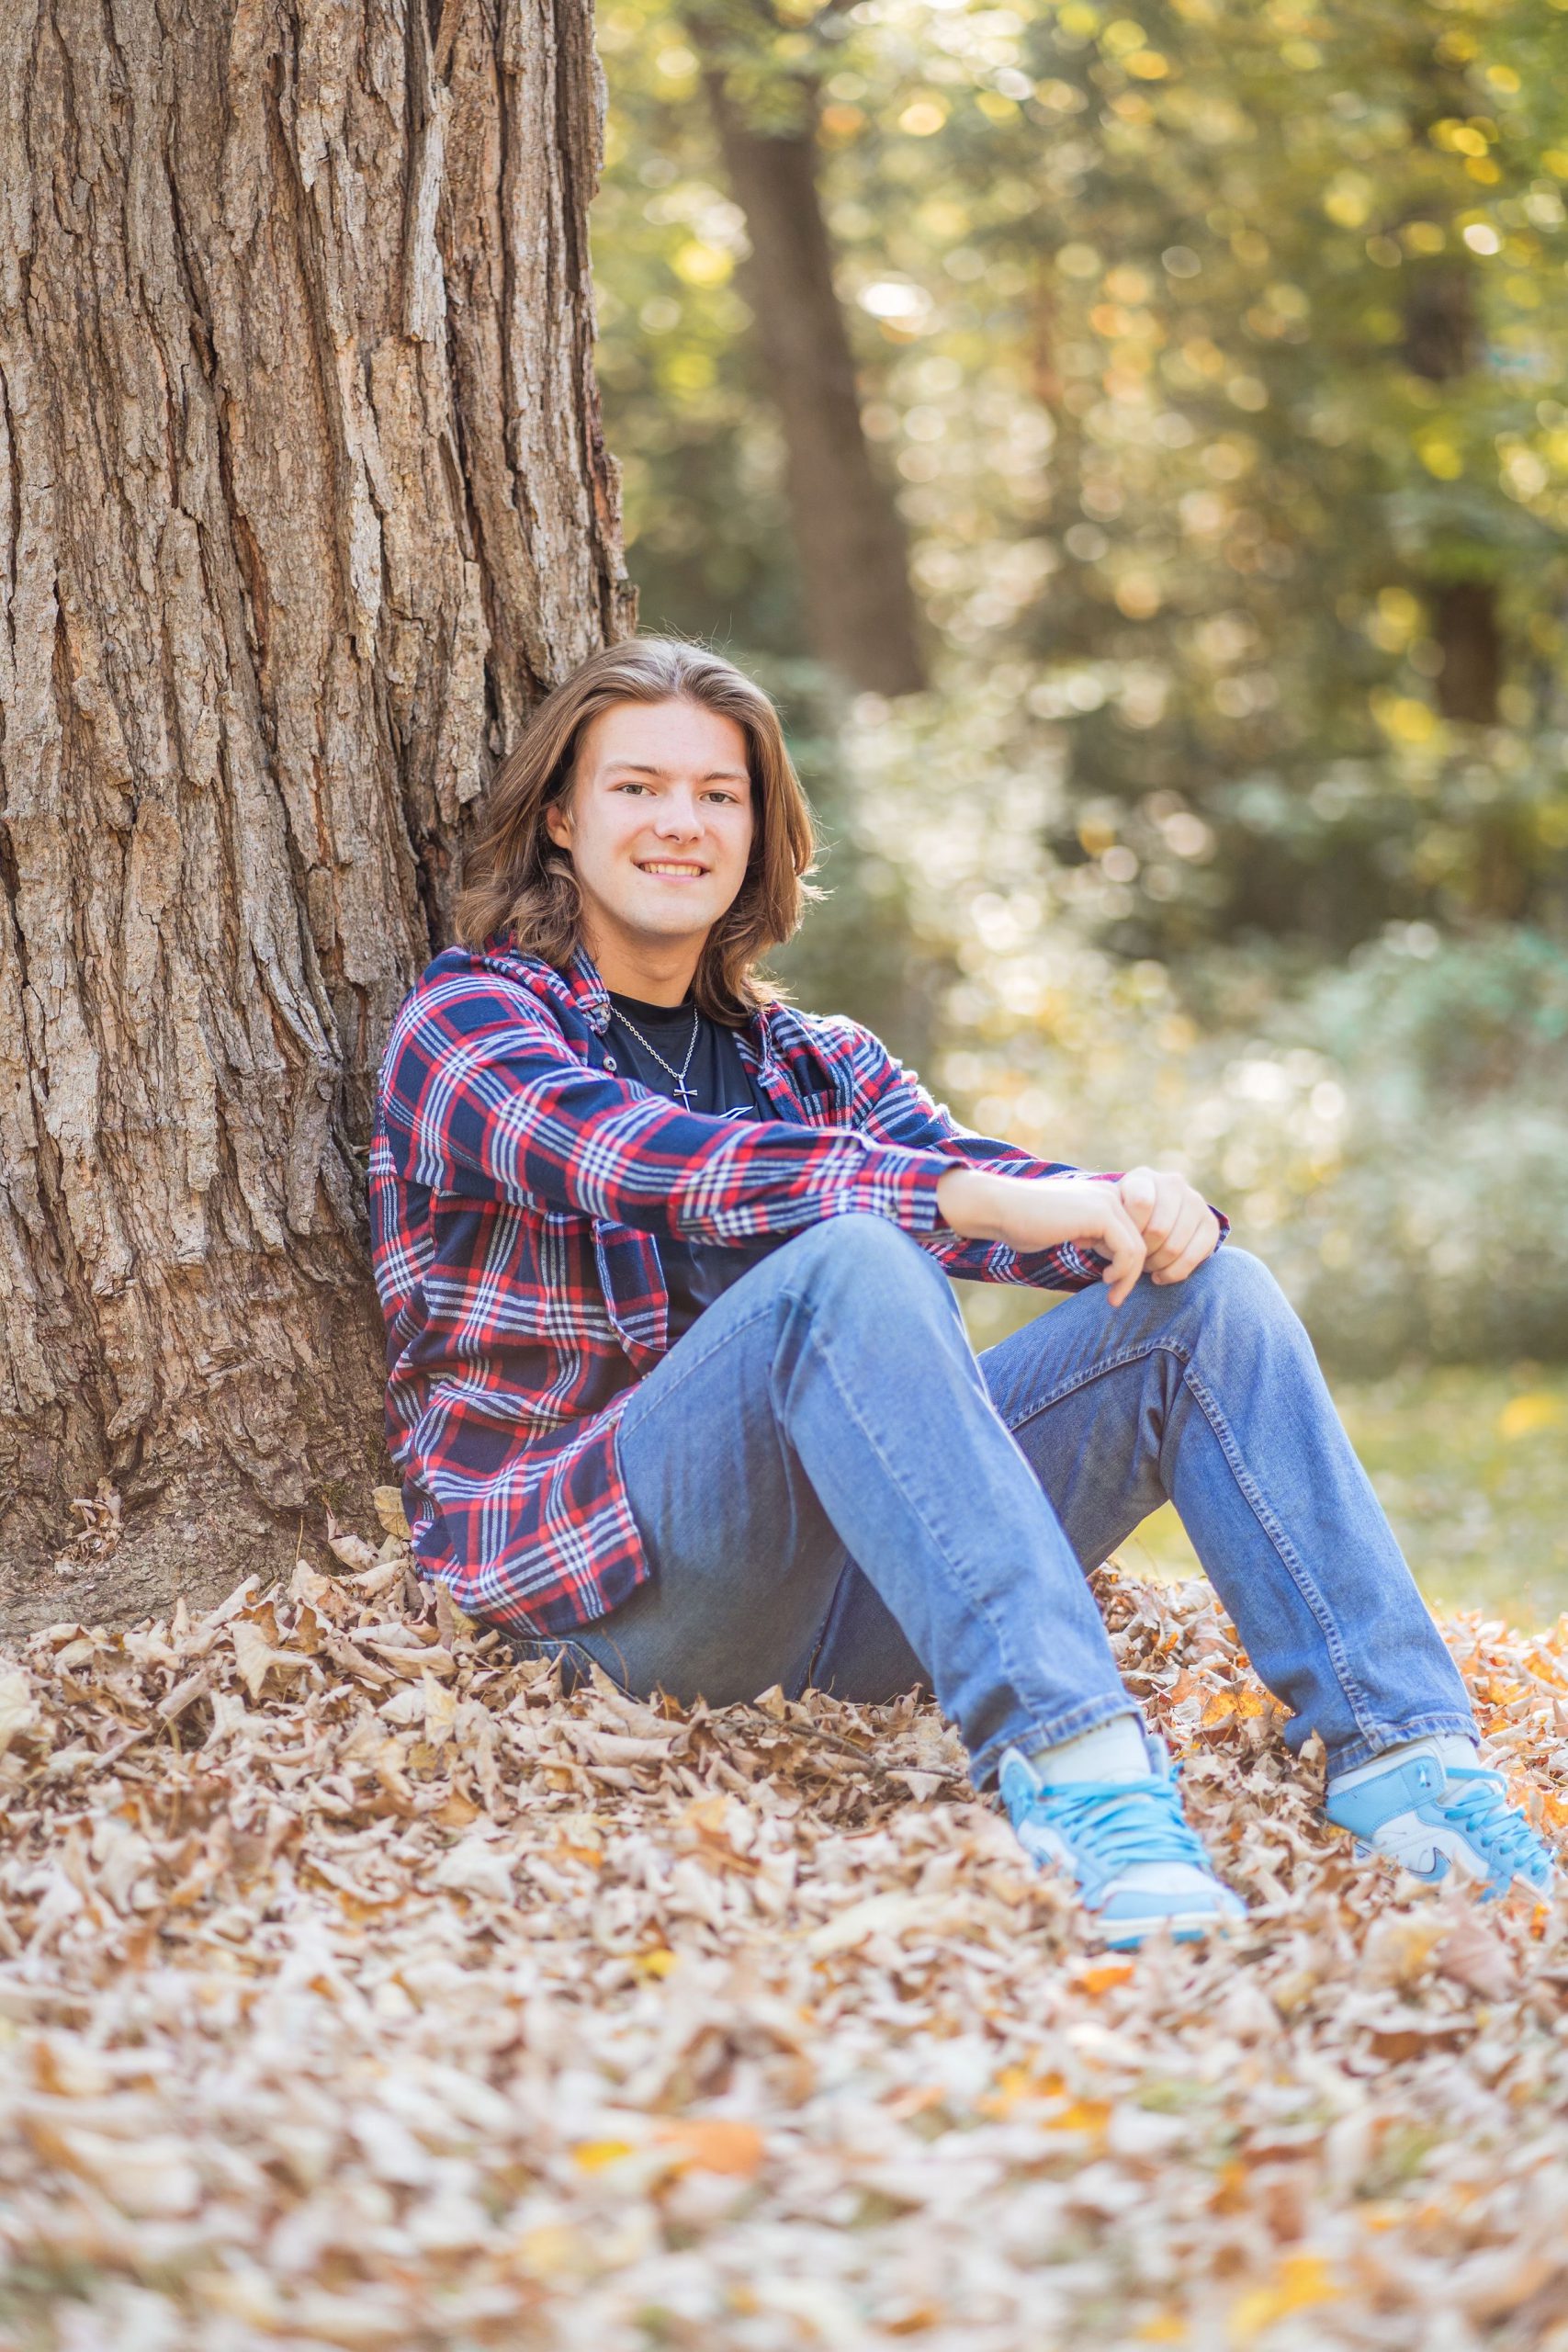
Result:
[1138,1188]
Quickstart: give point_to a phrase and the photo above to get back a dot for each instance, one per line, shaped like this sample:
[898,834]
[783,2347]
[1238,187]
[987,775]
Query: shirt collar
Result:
[581,988]
[577,989]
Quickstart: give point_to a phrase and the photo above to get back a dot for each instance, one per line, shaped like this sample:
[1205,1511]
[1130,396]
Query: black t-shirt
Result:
[716,1083]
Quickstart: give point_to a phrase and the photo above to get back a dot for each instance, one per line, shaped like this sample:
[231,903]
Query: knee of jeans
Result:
[1233,1281]
[862,1256]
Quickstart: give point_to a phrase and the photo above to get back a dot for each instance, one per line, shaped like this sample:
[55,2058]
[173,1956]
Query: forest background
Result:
[1136,451]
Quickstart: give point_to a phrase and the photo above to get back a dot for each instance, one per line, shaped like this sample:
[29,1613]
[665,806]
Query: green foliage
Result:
[1472,1468]
[1218,353]
[1213,351]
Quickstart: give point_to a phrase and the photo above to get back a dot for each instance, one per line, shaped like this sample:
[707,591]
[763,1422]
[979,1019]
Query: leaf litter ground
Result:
[358,1989]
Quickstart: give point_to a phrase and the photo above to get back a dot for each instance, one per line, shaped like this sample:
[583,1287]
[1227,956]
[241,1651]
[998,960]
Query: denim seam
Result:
[1386,1735]
[979,1607]
[1355,1696]
[1295,1567]
[550,1645]
[1086,1716]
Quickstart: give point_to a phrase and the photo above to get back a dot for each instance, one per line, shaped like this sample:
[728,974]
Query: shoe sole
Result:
[1183,1927]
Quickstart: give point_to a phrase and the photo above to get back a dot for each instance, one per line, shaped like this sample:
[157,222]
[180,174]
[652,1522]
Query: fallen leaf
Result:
[18,1708]
[1471,1956]
[1302,2282]
[1107,1975]
[715,2143]
[1525,1415]
[387,1503]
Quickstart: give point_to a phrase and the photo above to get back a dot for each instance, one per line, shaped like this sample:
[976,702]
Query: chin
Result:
[675,913]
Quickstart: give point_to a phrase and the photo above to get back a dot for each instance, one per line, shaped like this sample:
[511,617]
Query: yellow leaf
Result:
[1524,1416]
[1166,2327]
[593,2155]
[1220,1710]
[654,1963]
[387,1503]
[1082,2115]
[715,2143]
[1302,2281]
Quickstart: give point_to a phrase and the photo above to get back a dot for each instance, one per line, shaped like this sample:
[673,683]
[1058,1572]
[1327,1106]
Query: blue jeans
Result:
[832,1488]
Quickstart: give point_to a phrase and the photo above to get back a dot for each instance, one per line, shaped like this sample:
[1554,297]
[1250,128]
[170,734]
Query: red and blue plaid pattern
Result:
[518,1193]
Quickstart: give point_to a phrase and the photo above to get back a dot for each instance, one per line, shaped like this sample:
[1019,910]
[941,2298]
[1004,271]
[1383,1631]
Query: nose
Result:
[678,818]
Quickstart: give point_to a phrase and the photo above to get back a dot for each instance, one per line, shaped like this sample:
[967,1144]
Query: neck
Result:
[655,971]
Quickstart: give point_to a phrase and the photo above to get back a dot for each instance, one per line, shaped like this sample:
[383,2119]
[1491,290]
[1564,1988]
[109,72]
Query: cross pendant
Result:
[684,1091]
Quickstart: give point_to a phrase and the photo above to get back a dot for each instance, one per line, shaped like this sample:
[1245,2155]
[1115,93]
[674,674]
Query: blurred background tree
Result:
[1172,607]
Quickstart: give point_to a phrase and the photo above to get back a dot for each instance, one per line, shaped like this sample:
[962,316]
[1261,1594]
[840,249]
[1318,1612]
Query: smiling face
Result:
[658,821]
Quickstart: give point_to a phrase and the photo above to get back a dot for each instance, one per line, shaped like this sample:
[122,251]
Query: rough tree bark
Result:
[306,504]
[859,612]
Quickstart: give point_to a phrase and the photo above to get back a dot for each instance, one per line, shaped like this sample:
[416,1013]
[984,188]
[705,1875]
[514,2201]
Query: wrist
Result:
[968,1204]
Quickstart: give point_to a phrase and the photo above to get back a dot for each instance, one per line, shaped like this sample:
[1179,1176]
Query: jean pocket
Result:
[577,1661]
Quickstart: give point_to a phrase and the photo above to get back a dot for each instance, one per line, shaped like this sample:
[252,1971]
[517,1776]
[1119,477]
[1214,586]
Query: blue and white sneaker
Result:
[1433,1816]
[1138,1866]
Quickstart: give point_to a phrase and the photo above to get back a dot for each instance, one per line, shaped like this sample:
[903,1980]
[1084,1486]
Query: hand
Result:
[1178,1228]
[1041,1212]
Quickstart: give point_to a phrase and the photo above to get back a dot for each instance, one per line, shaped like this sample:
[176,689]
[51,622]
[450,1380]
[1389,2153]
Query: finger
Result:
[1189,1217]
[1203,1244]
[1125,1243]
[1138,1192]
[1171,1195]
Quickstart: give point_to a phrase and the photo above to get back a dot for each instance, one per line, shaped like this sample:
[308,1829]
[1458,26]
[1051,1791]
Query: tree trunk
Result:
[1442,342]
[859,612]
[306,504]
[1465,629]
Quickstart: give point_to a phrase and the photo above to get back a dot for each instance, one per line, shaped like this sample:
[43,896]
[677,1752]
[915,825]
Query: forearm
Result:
[567,1137]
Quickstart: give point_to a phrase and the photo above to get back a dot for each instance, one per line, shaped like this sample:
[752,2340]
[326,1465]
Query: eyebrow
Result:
[714,775]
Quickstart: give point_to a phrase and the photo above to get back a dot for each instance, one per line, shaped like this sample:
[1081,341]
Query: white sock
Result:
[1115,1751]
[1111,1751]
[1450,1749]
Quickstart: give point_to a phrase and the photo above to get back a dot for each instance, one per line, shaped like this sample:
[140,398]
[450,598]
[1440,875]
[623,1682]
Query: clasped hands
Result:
[1149,1221]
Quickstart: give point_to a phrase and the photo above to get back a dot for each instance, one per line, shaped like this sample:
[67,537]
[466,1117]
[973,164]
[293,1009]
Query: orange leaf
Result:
[1100,1980]
[715,2143]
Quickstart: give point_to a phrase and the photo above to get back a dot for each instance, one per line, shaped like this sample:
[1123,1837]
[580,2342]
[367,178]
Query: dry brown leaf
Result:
[380,1995]
[1468,1954]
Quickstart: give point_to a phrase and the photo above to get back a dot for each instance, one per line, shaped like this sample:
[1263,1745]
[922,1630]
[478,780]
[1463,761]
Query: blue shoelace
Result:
[1122,1821]
[1482,1811]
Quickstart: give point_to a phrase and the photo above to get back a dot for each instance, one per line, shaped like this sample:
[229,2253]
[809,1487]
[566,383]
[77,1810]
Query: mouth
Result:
[676,869]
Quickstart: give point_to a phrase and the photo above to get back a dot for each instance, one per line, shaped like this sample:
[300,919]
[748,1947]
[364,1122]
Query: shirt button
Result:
[609,1061]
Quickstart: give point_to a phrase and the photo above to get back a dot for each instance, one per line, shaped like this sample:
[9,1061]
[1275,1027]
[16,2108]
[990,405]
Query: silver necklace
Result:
[682,1089]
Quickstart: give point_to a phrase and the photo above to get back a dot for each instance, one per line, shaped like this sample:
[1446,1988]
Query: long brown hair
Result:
[518,880]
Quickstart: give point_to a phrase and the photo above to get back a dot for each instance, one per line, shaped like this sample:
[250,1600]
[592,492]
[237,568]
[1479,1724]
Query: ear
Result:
[558,824]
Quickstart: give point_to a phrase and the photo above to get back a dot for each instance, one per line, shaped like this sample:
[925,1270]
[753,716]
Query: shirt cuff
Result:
[898,1184]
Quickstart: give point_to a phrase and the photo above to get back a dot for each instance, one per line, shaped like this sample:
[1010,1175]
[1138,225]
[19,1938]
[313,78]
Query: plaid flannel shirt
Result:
[518,1194]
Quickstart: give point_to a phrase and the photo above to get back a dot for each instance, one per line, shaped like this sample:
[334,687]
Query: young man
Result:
[677,1383]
